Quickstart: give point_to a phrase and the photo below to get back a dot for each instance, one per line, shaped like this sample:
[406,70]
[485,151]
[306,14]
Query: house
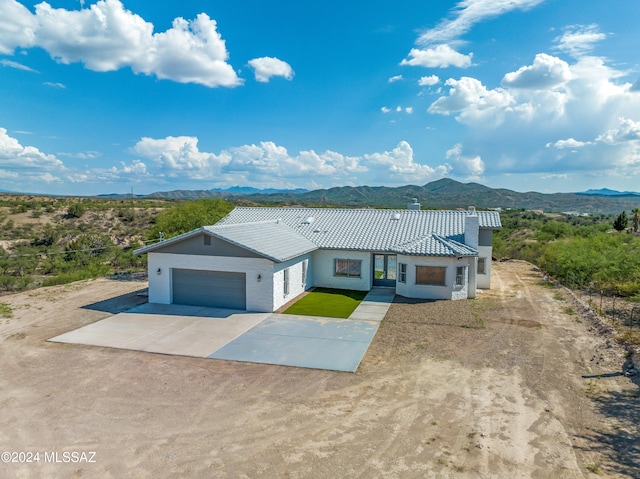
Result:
[261,258]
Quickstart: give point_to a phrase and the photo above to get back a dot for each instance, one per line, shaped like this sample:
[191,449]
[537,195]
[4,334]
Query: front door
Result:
[384,269]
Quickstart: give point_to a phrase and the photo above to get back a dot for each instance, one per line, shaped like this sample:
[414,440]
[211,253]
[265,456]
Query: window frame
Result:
[482,261]
[285,278]
[442,270]
[347,267]
[402,273]
[461,274]
[304,273]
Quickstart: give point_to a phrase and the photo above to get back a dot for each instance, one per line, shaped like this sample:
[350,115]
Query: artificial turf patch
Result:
[329,303]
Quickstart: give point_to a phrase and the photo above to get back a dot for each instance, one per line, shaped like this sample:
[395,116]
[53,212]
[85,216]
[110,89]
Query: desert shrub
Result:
[76,210]
[93,271]
[188,216]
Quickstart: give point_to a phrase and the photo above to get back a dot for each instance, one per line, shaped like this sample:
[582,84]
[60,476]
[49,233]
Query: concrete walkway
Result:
[375,305]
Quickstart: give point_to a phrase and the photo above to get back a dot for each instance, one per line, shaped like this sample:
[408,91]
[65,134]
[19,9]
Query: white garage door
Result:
[219,289]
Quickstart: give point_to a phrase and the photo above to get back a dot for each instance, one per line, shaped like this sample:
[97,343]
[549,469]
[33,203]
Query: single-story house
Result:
[258,258]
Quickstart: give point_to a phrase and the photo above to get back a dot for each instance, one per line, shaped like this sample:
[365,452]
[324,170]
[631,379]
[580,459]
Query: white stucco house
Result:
[258,259]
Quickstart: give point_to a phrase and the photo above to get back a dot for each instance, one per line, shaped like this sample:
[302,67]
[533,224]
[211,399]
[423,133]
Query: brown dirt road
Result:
[511,385]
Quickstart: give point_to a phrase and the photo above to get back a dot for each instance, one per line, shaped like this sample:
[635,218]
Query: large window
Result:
[350,268]
[482,265]
[431,275]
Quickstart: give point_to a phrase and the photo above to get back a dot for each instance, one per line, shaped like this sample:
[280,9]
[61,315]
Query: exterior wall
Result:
[486,237]
[296,285]
[484,280]
[323,269]
[259,293]
[195,246]
[449,291]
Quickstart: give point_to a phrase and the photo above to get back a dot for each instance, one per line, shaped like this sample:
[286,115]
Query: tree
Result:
[188,216]
[621,222]
[635,219]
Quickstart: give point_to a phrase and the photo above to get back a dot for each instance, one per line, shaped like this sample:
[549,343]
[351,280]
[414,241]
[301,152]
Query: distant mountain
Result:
[234,191]
[248,190]
[445,193]
[608,192]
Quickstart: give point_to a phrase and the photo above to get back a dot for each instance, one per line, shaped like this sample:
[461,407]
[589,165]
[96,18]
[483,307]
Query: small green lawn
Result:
[330,303]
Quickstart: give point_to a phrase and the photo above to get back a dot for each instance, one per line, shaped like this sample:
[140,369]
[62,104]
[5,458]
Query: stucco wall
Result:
[323,270]
[296,285]
[449,291]
[259,293]
[484,280]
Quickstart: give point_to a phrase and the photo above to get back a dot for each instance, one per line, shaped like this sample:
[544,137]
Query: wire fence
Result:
[618,310]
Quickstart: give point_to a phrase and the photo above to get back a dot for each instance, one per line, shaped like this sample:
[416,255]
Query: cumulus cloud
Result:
[27,164]
[429,80]
[400,165]
[546,72]
[578,40]
[395,78]
[628,130]
[470,166]
[385,109]
[439,56]
[266,67]
[107,37]
[469,97]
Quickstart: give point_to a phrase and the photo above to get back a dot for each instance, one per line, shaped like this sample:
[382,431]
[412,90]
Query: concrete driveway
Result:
[301,341]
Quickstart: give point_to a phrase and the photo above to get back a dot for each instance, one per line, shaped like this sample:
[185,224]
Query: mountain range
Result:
[444,193]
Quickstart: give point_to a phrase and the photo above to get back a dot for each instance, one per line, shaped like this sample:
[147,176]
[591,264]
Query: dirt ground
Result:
[510,385]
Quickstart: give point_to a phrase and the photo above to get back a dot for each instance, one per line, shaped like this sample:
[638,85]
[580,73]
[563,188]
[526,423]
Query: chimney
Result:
[471,228]
[414,206]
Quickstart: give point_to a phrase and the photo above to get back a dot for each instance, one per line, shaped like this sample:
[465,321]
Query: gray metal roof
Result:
[271,239]
[284,233]
[425,232]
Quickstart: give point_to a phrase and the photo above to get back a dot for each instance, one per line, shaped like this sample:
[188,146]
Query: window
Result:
[460,274]
[286,281]
[207,240]
[482,265]
[403,273]
[431,275]
[304,273]
[350,268]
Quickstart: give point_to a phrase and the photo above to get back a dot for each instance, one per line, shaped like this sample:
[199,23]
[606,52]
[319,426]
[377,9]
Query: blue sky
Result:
[102,97]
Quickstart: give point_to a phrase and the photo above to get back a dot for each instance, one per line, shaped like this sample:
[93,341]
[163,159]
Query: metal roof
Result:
[271,239]
[284,233]
[423,232]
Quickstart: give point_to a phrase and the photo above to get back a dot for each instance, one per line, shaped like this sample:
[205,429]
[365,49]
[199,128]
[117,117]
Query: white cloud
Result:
[266,67]
[628,130]
[568,143]
[547,72]
[469,12]
[429,80]
[395,78]
[17,157]
[55,85]
[17,27]
[399,165]
[470,166]
[469,97]
[107,37]
[439,44]
[385,109]
[409,110]
[17,66]
[440,56]
[578,40]
[177,155]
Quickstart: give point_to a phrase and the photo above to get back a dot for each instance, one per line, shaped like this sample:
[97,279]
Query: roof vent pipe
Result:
[472,210]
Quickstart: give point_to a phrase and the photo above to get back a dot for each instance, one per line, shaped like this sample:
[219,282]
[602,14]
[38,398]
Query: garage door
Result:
[218,289]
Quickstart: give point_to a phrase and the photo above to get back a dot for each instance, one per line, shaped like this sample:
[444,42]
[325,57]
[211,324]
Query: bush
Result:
[93,271]
[76,210]
[188,216]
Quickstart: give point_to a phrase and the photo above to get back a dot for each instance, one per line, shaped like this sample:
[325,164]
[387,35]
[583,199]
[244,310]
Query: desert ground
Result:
[513,384]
